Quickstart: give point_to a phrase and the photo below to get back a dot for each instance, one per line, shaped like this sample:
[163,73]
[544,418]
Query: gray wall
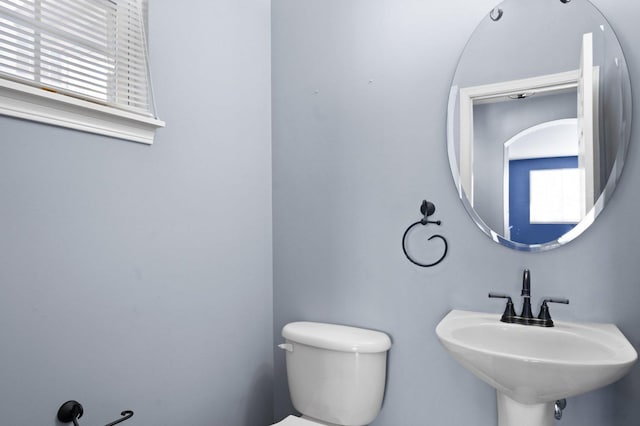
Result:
[137,277]
[360,93]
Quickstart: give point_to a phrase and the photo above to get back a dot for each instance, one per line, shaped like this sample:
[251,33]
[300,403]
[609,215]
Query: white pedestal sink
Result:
[531,367]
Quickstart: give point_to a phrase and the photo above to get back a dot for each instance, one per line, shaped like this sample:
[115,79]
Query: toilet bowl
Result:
[336,373]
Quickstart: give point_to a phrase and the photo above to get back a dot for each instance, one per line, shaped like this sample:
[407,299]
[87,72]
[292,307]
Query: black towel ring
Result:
[427,209]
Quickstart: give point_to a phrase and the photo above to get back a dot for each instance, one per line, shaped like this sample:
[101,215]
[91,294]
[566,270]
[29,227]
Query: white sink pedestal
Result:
[514,413]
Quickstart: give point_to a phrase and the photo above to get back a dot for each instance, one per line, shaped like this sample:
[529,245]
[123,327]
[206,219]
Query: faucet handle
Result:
[499,295]
[509,311]
[544,314]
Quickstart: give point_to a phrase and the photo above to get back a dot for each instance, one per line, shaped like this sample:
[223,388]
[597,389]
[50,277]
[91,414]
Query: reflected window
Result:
[555,196]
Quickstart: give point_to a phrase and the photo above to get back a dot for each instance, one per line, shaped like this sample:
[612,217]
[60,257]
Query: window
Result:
[78,63]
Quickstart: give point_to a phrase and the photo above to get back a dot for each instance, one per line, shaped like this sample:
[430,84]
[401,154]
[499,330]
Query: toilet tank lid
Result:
[336,337]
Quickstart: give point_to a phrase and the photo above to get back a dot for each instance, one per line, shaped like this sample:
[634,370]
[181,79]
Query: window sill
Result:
[30,103]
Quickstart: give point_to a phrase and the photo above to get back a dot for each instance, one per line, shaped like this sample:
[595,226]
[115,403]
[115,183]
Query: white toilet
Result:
[336,373]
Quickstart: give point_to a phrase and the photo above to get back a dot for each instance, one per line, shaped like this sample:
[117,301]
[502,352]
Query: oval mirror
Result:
[538,121]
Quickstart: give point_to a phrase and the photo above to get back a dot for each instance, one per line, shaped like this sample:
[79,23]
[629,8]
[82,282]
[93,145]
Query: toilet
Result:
[336,373]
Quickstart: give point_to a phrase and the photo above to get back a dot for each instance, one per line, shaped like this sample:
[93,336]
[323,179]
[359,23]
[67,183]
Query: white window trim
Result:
[30,103]
[128,114]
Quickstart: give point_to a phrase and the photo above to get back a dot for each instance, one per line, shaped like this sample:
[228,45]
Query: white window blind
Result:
[94,50]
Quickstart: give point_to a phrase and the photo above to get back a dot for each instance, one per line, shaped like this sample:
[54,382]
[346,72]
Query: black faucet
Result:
[526,295]
[526,317]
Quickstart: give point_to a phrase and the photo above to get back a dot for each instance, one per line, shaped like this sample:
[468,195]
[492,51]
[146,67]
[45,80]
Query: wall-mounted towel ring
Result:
[427,209]
[71,411]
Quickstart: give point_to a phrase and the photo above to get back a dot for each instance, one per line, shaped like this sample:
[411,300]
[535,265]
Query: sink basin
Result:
[531,367]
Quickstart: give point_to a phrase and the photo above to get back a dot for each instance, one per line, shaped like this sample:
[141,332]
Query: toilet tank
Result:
[336,373]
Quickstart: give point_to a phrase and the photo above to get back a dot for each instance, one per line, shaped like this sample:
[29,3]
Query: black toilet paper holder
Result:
[72,410]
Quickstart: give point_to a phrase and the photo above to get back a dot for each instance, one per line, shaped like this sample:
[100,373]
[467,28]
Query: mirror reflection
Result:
[539,121]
